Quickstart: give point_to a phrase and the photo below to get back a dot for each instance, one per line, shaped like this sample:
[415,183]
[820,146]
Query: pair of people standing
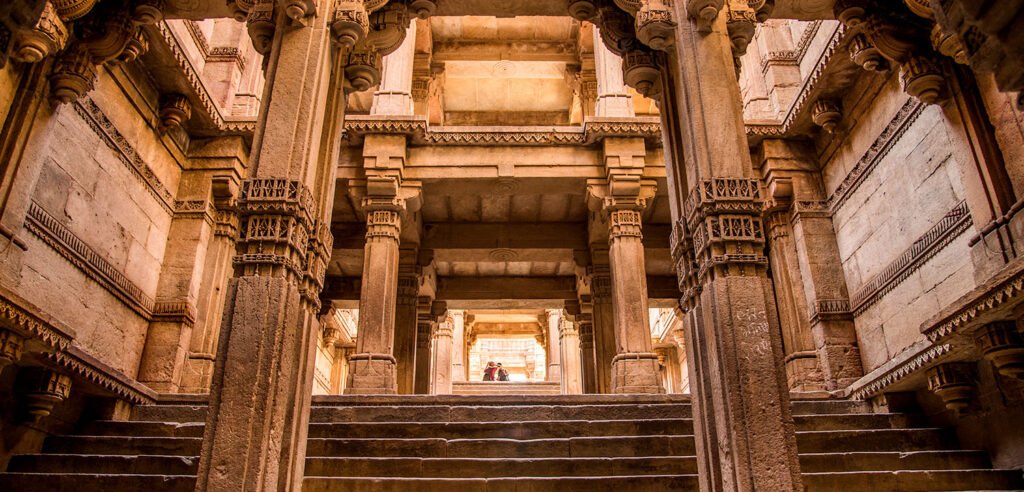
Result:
[494,372]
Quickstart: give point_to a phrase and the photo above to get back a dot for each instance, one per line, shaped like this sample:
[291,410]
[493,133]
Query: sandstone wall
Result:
[900,220]
[101,212]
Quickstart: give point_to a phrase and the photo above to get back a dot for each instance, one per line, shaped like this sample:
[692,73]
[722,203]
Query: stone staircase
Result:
[511,442]
[506,388]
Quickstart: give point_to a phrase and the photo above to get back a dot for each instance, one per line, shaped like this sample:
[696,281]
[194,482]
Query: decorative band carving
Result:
[624,223]
[922,360]
[175,311]
[952,225]
[91,263]
[126,153]
[385,224]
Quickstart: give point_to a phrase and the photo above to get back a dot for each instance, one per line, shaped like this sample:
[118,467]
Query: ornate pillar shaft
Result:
[373,364]
[443,358]
[569,341]
[458,346]
[613,99]
[635,366]
[554,372]
[255,437]
[423,355]
[741,401]
[394,95]
[587,367]
[604,323]
[405,327]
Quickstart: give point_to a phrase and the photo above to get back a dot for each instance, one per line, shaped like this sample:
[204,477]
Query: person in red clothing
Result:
[491,371]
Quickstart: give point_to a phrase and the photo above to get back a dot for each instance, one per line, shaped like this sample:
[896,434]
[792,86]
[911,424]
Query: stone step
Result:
[515,413]
[86,482]
[632,446]
[819,407]
[123,445]
[505,388]
[894,461]
[510,430]
[857,421]
[914,480]
[143,429]
[104,464]
[496,400]
[833,441]
[642,483]
[170,413]
[498,467]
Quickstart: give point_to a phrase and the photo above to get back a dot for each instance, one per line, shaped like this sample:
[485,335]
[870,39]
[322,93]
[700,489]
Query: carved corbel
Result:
[11,346]
[655,26]
[363,69]
[105,33]
[69,10]
[954,383]
[850,12]
[640,71]
[826,114]
[764,10]
[583,10]
[616,30]
[300,10]
[922,78]
[260,25]
[175,110]
[422,9]
[350,24]
[48,36]
[949,44]
[387,28]
[136,47]
[704,12]
[240,9]
[72,75]
[740,23]
[1002,344]
[43,389]
[148,12]
[864,53]
[630,6]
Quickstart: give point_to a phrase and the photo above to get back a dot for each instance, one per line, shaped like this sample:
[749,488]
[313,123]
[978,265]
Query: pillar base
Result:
[372,374]
[636,373]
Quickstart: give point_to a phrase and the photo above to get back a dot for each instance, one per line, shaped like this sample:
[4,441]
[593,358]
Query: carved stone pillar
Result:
[405,321]
[571,369]
[741,400]
[613,100]
[458,345]
[427,316]
[198,370]
[373,364]
[802,372]
[443,357]
[635,366]
[587,366]
[604,322]
[554,371]
[255,437]
[394,94]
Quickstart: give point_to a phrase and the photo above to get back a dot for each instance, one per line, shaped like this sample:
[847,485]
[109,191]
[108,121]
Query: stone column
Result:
[373,364]
[740,397]
[405,323]
[424,329]
[604,323]
[613,100]
[635,367]
[458,345]
[553,321]
[255,433]
[569,341]
[394,95]
[808,271]
[443,357]
[587,366]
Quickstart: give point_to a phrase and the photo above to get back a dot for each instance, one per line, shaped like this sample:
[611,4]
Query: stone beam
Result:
[453,289]
[663,287]
[487,236]
[495,50]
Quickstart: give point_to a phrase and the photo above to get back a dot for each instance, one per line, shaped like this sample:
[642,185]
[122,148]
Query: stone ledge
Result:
[496,400]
